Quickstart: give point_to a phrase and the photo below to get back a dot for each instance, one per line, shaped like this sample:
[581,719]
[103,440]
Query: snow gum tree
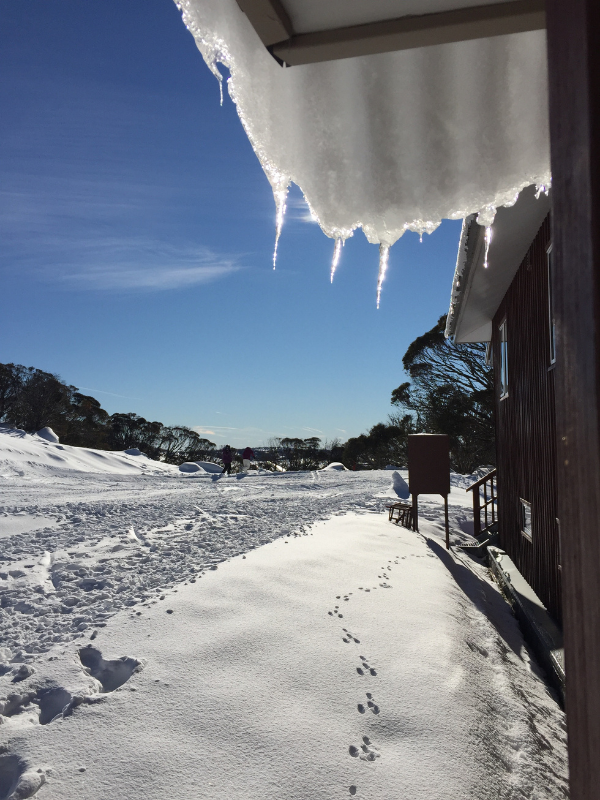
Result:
[451,391]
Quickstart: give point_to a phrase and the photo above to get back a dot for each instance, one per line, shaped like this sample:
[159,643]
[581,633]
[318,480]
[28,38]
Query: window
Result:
[503,361]
[551,320]
[526,519]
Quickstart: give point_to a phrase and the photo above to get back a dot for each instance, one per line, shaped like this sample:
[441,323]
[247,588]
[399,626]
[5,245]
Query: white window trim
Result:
[551,319]
[527,533]
[503,362]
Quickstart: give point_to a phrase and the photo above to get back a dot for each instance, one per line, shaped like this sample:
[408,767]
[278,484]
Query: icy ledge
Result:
[391,142]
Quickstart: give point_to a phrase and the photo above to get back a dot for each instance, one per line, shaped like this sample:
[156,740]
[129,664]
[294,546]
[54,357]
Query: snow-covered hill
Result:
[27,455]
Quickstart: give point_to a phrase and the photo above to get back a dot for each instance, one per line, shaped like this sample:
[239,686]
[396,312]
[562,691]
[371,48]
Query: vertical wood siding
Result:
[526,426]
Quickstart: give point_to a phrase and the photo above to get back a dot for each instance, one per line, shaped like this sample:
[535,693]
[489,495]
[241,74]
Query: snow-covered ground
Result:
[170,634]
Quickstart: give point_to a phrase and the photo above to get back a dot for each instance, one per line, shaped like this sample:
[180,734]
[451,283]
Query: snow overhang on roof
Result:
[477,290]
[390,141]
[306,31]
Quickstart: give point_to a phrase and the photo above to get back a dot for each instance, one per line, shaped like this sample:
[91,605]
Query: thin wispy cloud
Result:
[214,429]
[124,264]
[155,278]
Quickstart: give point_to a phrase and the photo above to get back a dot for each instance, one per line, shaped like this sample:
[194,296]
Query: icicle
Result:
[211,62]
[337,252]
[542,188]
[488,239]
[384,254]
[280,195]
[421,238]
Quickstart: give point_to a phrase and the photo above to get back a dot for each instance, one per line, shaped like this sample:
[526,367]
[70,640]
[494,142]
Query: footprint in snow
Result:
[335,612]
[371,705]
[111,674]
[349,637]
[366,751]
[16,780]
[52,701]
[365,668]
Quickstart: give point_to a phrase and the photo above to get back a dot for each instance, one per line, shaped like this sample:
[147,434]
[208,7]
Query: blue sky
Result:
[136,238]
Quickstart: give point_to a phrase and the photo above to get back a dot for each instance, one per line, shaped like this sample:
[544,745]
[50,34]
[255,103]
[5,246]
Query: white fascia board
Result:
[483,289]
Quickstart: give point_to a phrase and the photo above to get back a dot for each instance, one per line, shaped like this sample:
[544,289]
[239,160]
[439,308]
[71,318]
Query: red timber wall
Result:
[526,426]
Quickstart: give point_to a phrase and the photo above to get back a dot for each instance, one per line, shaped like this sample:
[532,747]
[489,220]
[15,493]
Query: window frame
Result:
[551,313]
[503,360]
[526,531]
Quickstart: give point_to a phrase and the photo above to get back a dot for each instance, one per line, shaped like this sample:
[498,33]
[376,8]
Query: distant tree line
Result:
[450,391]
[294,455]
[31,399]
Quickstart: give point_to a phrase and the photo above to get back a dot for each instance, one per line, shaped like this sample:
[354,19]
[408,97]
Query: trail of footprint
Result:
[366,751]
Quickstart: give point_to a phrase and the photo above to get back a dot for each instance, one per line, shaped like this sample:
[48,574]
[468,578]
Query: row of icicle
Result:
[384,250]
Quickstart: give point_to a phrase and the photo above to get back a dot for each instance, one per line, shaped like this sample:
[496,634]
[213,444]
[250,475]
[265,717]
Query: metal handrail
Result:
[478,505]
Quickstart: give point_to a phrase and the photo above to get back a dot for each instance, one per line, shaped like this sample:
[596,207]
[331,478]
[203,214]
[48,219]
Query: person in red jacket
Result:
[247,456]
[227,458]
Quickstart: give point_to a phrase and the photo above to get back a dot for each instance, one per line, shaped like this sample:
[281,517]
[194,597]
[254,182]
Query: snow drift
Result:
[400,486]
[209,466]
[49,435]
[191,466]
[27,455]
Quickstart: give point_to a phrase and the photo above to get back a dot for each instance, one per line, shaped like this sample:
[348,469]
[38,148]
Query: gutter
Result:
[471,241]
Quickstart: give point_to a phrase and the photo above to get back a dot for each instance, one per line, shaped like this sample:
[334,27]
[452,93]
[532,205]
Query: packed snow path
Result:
[92,544]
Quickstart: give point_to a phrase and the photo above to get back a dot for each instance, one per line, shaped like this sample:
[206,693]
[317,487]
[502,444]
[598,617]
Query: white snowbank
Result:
[335,465]
[361,659]
[400,486]
[26,455]
[191,466]
[388,142]
[209,466]
[48,434]
[431,504]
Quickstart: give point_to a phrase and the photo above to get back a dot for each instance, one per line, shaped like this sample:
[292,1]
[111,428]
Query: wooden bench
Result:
[401,514]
